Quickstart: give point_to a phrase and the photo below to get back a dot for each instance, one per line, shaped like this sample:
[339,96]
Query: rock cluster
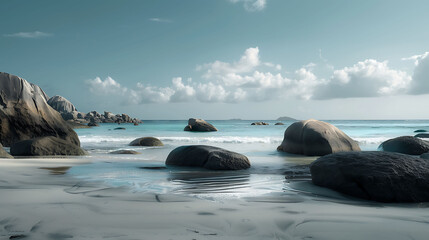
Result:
[69,112]
[316,138]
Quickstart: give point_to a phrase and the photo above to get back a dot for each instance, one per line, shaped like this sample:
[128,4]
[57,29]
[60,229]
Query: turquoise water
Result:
[258,143]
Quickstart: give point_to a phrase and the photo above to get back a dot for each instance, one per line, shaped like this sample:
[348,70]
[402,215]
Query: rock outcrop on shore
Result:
[3,153]
[199,125]
[377,176]
[209,157]
[45,146]
[69,112]
[25,113]
[316,138]
[406,145]
[147,141]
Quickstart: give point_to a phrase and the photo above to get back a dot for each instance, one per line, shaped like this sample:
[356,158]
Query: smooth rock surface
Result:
[199,125]
[45,146]
[61,104]
[207,157]
[405,144]
[147,141]
[377,176]
[316,138]
[3,153]
[25,114]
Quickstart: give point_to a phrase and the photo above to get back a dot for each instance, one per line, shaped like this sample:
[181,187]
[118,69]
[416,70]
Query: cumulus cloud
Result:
[420,84]
[35,34]
[252,5]
[251,79]
[369,78]
[106,86]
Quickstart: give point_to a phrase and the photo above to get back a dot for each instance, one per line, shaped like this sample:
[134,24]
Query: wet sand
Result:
[40,201]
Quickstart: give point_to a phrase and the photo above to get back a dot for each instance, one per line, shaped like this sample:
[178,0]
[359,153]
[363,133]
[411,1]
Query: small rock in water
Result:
[124,152]
[119,128]
[259,123]
[422,135]
[146,141]
[420,130]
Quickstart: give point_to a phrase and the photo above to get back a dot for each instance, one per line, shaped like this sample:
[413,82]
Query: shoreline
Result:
[39,204]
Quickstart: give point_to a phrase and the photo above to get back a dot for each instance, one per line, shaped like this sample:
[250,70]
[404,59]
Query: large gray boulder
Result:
[25,114]
[199,125]
[405,144]
[147,141]
[377,176]
[3,153]
[316,138]
[207,157]
[45,146]
[61,104]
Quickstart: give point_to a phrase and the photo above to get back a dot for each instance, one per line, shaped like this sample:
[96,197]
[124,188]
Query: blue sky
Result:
[250,59]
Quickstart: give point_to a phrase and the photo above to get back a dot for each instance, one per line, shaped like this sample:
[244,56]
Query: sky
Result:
[223,59]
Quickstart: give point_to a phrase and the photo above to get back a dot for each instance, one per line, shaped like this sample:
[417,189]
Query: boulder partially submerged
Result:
[3,153]
[45,146]
[406,145]
[207,157]
[422,135]
[260,123]
[147,141]
[316,138]
[377,176]
[124,151]
[25,113]
[199,125]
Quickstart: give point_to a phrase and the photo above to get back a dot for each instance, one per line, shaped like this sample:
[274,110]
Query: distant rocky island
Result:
[69,113]
[285,119]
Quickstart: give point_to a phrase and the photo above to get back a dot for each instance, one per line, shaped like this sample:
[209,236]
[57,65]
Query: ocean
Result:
[272,172]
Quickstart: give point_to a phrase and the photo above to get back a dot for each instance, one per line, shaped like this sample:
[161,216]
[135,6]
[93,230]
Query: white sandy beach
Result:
[40,203]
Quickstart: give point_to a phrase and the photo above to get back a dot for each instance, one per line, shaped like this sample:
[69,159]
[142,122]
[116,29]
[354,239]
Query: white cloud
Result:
[35,34]
[252,5]
[160,20]
[368,78]
[420,84]
[106,86]
[251,79]
[417,58]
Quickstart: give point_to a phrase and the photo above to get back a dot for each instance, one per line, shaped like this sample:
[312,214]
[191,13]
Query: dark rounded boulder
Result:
[377,176]
[316,138]
[207,157]
[25,114]
[420,131]
[3,153]
[147,141]
[199,125]
[260,123]
[279,123]
[422,135]
[405,144]
[119,128]
[45,146]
